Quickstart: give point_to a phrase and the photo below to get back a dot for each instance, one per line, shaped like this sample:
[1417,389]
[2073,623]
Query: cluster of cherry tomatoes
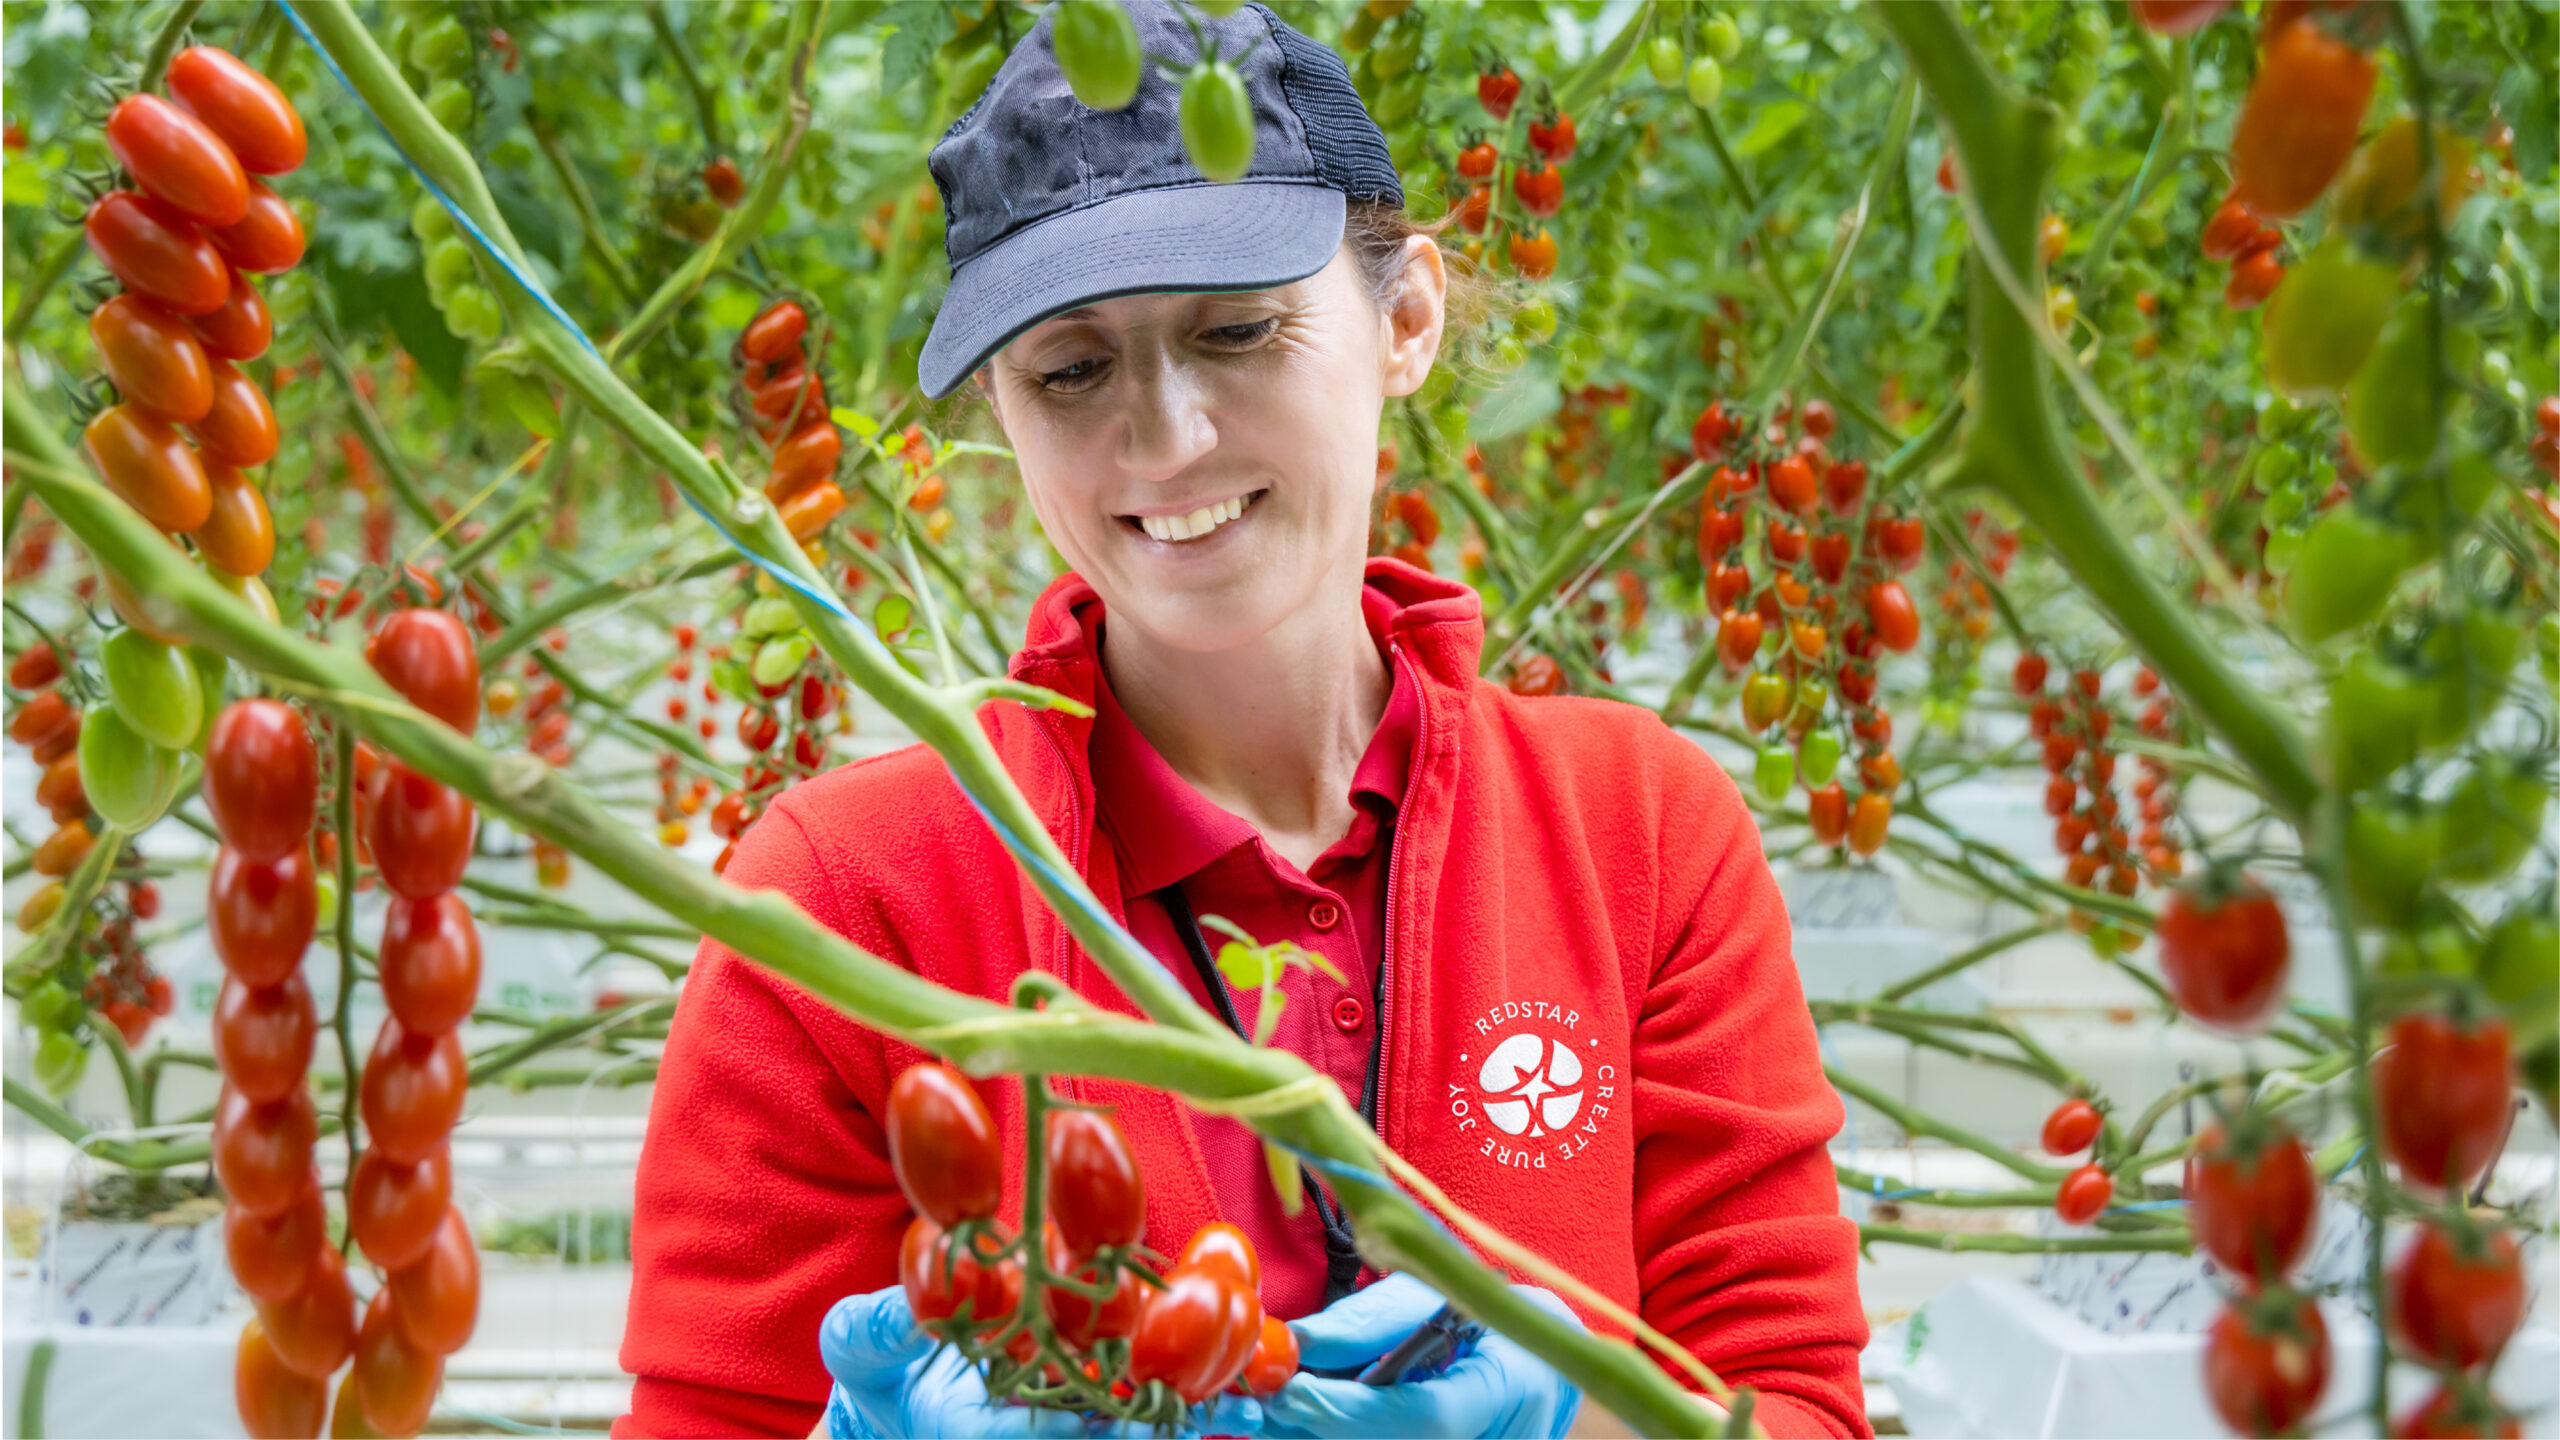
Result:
[789,402]
[1108,1334]
[2072,727]
[1829,555]
[181,242]
[1537,182]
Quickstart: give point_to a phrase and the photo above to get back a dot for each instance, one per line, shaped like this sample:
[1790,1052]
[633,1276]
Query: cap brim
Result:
[1249,235]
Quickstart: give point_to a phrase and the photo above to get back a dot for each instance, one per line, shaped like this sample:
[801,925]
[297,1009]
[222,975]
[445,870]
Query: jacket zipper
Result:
[1387,947]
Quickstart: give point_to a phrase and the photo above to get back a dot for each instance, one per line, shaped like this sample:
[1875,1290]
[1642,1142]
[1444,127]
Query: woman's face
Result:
[1207,462]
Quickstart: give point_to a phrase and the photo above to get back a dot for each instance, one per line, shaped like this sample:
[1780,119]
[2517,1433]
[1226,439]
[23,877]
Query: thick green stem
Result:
[1947,1242]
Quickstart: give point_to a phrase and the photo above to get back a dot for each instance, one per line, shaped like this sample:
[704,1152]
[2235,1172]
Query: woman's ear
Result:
[1416,319]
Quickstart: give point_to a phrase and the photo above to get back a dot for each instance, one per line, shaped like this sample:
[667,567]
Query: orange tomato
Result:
[1534,256]
[149,467]
[1867,822]
[152,358]
[239,429]
[2298,126]
[239,537]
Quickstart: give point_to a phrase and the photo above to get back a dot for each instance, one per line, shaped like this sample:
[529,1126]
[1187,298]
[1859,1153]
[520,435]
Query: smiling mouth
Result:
[1174,529]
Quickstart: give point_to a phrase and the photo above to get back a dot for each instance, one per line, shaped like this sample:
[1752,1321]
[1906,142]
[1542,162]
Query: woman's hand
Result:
[1499,1390]
[892,1381]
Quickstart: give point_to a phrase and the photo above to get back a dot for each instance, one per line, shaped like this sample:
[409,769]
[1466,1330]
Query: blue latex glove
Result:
[1499,1390]
[892,1381]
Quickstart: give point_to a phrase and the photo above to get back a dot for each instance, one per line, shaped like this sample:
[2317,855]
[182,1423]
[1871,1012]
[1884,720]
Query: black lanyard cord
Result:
[1342,1253]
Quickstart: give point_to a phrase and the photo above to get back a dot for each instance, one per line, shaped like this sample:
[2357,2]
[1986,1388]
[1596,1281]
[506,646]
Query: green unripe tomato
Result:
[325,905]
[60,1062]
[778,660]
[2276,465]
[1705,81]
[1662,57]
[440,46]
[449,263]
[473,313]
[1217,122]
[2392,847]
[1510,352]
[2468,658]
[1723,38]
[2376,709]
[1098,52]
[449,101]
[1394,58]
[2283,552]
[2496,369]
[2390,402]
[1820,759]
[2323,320]
[2349,561]
[253,591]
[51,1006]
[2146,230]
[1536,319]
[2521,960]
[153,688]
[129,780]
[2280,507]
[1773,773]
[428,220]
[2491,819]
[770,615]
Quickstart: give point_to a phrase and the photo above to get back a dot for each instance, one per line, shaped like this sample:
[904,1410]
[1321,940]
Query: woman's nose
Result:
[1168,425]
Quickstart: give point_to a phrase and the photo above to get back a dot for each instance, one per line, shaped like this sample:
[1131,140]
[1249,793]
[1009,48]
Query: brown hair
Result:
[1377,232]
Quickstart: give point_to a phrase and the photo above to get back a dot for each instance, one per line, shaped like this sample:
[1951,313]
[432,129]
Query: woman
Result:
[1565,988]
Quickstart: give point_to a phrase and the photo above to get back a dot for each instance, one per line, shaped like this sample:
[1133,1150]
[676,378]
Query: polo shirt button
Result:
[1348,1013]
[1324,914]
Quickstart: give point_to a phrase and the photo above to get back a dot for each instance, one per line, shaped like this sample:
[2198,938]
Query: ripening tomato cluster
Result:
[1534,167]
[182,242]
[2072,726]
[781,663]
[1414,511]
[1126,1341]
[1829,555]
[788,400]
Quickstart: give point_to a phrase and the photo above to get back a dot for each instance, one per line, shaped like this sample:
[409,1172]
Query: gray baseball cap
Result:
[1050,204]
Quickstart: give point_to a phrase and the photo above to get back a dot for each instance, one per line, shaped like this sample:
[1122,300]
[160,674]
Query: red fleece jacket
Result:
[1595,1039]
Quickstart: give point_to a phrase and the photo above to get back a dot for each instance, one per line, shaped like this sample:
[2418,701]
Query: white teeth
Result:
[1199,522]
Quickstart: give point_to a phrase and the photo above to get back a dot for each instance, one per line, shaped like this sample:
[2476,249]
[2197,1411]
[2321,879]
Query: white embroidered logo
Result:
[1533,1086]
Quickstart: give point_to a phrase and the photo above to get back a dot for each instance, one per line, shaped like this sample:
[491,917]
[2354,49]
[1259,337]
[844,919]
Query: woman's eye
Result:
[1244,333]
[1072,376]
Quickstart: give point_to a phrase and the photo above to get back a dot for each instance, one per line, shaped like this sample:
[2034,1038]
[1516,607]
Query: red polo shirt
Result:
[1164,832]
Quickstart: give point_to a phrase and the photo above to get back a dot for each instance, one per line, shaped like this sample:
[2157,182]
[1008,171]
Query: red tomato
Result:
[1901,541]
[2442,1096]
[2264,1373]
[2177,17]
[262,913]
[2084,1194]
[939,1280]
[1541,191]
[1844,486]
[1184,1335]
[806,457]
[151,356]
[1872,815]
[274,1402]
[1222,1246]
[158,253]
[239,538]
[1534,256]
[263,1037]
[1895,619]
[1477,161]
[2457,1299]
[394,1209]
[262,1153]
[1537,675]
[172,156]
[2225,954]
[1274,1358]
[775,334]
[2298,125]
[412,1091]
[61,852]
[430,962]
[439,1293]
[271,1254]
[2252,1205]
[1080,1321]
[1792,486]
[242,106]
[35,667]
[2028,677]
[240,428]
[239,328]
[2457,1412]
[726,185]
[2072,1127]
[1827,811]
[1738,639]
[1094,1193]
[268,239]
[808,512]
[261,778]
[2230,231]
[144,460]
[43,718]
[395,1382]
[420,832]
[2254,277]
[427,655]
[942,1143]
[1553,141]
[1497,91]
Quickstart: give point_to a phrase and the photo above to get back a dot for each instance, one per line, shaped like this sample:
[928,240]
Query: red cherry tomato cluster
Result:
[1965,596]
[179,243]
[262,786]
[2235,235]
[1119,1337]
[1830,555]
[788,399]
[1536,179]
[2073,724]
